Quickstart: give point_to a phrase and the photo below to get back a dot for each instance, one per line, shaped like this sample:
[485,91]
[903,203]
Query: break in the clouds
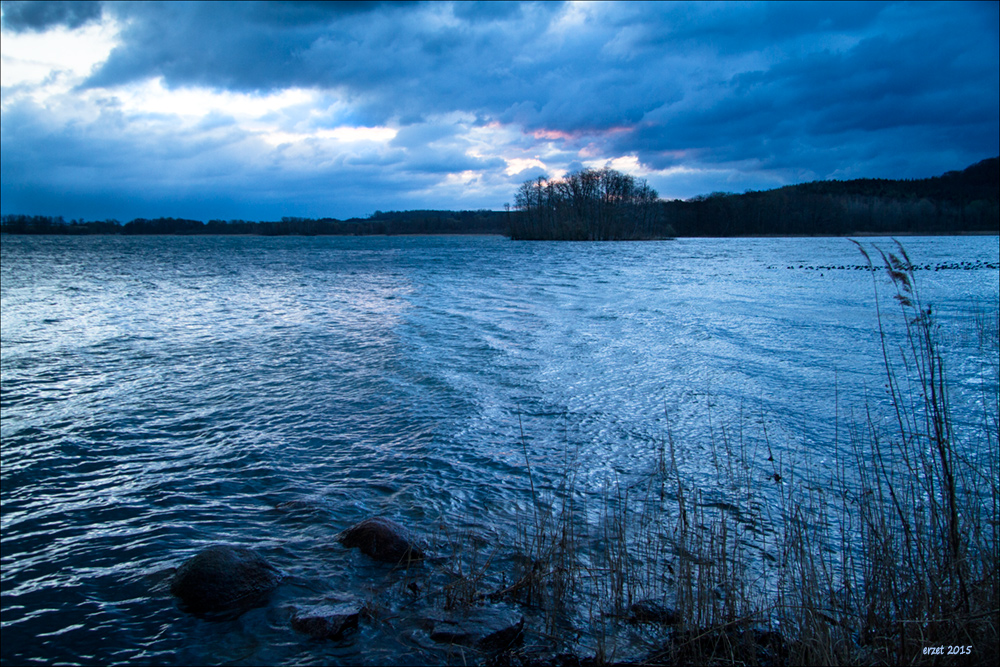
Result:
[259,110]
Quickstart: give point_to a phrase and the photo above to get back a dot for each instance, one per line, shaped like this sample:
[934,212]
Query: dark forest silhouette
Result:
[956,202]
[609,205]
[589,205]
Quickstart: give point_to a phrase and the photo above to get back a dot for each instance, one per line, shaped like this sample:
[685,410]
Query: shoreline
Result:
[470,234]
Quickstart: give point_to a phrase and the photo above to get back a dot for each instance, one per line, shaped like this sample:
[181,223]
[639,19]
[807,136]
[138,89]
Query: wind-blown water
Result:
[161,394]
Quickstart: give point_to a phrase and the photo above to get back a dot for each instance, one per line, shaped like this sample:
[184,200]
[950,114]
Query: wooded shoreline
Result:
[958,202]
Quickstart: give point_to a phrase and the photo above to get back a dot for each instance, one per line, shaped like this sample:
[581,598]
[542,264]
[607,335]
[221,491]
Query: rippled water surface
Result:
[161,394]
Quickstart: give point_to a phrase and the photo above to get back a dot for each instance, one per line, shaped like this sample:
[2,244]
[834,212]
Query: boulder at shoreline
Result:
[381,539]
[224,578]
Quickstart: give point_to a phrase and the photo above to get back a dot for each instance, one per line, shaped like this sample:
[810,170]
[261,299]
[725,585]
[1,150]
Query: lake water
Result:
[160,394]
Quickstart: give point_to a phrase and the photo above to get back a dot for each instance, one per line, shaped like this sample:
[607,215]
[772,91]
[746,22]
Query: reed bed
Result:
[889,555]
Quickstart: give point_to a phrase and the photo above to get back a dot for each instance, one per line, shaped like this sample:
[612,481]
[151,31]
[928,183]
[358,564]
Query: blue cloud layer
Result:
[706,97]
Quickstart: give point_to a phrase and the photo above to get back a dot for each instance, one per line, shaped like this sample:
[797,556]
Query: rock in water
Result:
[223,578]
[326,621]
[382,539]
[488,629]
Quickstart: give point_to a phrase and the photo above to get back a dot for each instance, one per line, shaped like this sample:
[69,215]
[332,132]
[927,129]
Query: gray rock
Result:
[224,578]
[484,628]
[381,539]
[327,621]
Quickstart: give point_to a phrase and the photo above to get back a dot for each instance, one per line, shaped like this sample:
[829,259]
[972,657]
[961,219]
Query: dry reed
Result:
[883,558]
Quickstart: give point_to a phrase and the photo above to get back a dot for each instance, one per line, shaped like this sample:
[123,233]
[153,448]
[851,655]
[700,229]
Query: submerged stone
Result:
[381,539]
[224,578]
[327,621]
[296,506]
[485,628]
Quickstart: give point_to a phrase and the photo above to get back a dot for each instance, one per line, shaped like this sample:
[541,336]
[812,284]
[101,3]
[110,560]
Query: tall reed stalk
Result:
[888,552]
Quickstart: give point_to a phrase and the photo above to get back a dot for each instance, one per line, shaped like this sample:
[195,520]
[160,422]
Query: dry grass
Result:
[891,550]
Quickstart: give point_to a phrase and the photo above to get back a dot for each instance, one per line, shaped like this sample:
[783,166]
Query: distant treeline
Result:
[958,201]
[605,204]
[387,223]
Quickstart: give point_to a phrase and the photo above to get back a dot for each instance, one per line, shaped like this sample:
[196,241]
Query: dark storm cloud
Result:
[832,111]
[395,59]
[37,16]
[511,63]
[751,95]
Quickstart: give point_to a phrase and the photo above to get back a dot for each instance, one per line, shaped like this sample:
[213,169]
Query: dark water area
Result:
[162,394]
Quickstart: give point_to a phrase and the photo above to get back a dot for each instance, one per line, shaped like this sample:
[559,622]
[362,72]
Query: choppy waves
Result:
[161,394]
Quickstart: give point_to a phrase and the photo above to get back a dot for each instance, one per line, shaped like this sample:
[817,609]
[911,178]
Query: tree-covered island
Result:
[606,204]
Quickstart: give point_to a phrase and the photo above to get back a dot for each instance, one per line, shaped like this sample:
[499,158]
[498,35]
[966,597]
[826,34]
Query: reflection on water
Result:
[163,394]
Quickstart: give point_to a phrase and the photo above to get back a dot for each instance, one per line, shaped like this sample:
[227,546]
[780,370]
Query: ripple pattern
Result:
[163,394]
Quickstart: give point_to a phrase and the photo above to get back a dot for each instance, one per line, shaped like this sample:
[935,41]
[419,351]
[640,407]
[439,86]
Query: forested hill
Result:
[981,181]
[956,202]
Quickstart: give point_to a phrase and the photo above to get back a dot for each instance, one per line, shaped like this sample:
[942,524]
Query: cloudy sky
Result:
[262,110]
